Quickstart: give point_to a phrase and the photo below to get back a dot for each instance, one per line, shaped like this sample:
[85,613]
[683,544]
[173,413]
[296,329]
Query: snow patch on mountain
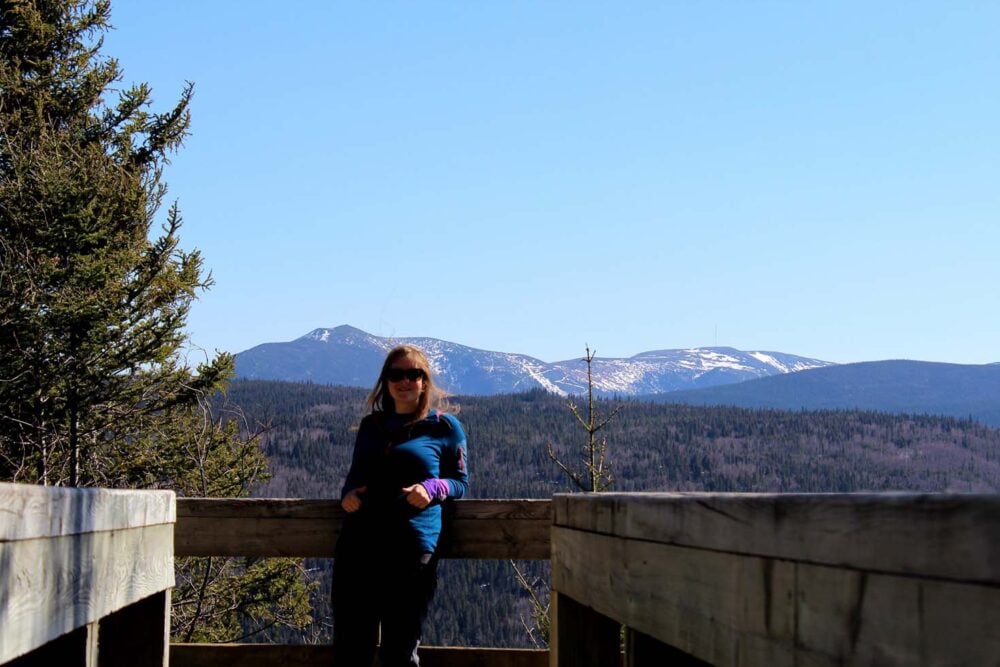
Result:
[770,361]
[535,371]
[786,363]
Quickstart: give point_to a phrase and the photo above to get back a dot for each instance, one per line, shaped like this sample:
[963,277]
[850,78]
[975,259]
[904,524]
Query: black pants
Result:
[379,586]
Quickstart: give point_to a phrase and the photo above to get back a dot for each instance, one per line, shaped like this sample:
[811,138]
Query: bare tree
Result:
[595,477]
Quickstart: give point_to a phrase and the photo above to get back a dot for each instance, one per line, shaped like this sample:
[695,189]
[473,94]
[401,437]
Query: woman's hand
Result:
[417,496]
[352,501]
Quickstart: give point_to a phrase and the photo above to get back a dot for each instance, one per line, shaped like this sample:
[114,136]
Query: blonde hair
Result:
[432,397]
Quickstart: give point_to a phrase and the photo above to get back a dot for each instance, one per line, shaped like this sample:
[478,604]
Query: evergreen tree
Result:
[91,309]
[94,386]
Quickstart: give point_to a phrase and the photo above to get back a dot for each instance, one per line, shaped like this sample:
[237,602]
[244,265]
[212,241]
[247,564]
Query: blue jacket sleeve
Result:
[361,462]
[454,460]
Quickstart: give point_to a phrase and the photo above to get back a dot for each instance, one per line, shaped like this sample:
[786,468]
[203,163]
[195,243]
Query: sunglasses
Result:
[398,374]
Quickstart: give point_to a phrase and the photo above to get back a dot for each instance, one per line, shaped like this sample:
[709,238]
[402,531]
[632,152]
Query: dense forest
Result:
[653,447]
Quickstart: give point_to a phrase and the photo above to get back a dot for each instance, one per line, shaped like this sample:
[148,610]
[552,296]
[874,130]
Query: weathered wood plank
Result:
[259,508]
[272,655]
[250,536]
[953,537]
[717,607]
[873,619]
[497,538]
[730,609]
[28,511]
[294,527]
[305,508]
[52,586]
[521,508]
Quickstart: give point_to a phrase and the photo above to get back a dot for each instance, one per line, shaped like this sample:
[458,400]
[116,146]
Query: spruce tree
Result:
[92,309]
[95,290]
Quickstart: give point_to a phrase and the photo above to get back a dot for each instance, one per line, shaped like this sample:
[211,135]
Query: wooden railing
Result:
[770,580]
[517,529]
[721,579]
[85,576]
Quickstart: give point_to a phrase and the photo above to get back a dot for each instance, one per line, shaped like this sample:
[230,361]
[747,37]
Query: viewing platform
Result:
[695,579]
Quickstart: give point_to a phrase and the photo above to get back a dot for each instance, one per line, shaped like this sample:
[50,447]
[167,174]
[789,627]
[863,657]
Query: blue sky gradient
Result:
[812,178]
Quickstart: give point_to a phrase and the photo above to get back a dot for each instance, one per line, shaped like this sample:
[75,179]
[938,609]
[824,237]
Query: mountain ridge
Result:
[349,356]
[894,385]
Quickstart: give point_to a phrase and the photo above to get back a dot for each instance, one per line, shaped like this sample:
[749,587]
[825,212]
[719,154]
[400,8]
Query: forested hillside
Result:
[653,448]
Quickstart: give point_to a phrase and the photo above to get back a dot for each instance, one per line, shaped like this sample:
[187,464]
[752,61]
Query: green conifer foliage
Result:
[95,389]
[91,308]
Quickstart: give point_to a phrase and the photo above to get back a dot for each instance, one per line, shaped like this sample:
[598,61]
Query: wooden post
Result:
[581,637]
[74,649]
[641,650]
[137,635]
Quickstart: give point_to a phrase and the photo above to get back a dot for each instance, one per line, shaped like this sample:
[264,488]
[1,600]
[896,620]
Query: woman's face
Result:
[404,388]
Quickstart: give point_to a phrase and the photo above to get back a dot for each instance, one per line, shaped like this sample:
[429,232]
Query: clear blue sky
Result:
[820,179]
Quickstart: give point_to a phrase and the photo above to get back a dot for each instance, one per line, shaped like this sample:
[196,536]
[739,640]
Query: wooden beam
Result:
[955,537]
[69,557]
[296,527]
[728,609]
[31,511]
[50,587]
[283,655]
[703,603]
[874,619]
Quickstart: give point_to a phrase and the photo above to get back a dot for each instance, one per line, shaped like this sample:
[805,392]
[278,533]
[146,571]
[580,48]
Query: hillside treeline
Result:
[653,447]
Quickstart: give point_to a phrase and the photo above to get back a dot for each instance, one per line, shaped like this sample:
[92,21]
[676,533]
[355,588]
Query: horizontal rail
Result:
[273,655]
[474,529]
[309,528]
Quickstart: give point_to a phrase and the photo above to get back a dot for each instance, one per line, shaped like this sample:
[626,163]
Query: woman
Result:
[409,457]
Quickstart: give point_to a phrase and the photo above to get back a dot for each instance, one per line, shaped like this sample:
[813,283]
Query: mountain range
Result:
[900,386]
[348,356]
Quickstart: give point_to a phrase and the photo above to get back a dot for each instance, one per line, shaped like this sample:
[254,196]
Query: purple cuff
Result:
[437,489]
